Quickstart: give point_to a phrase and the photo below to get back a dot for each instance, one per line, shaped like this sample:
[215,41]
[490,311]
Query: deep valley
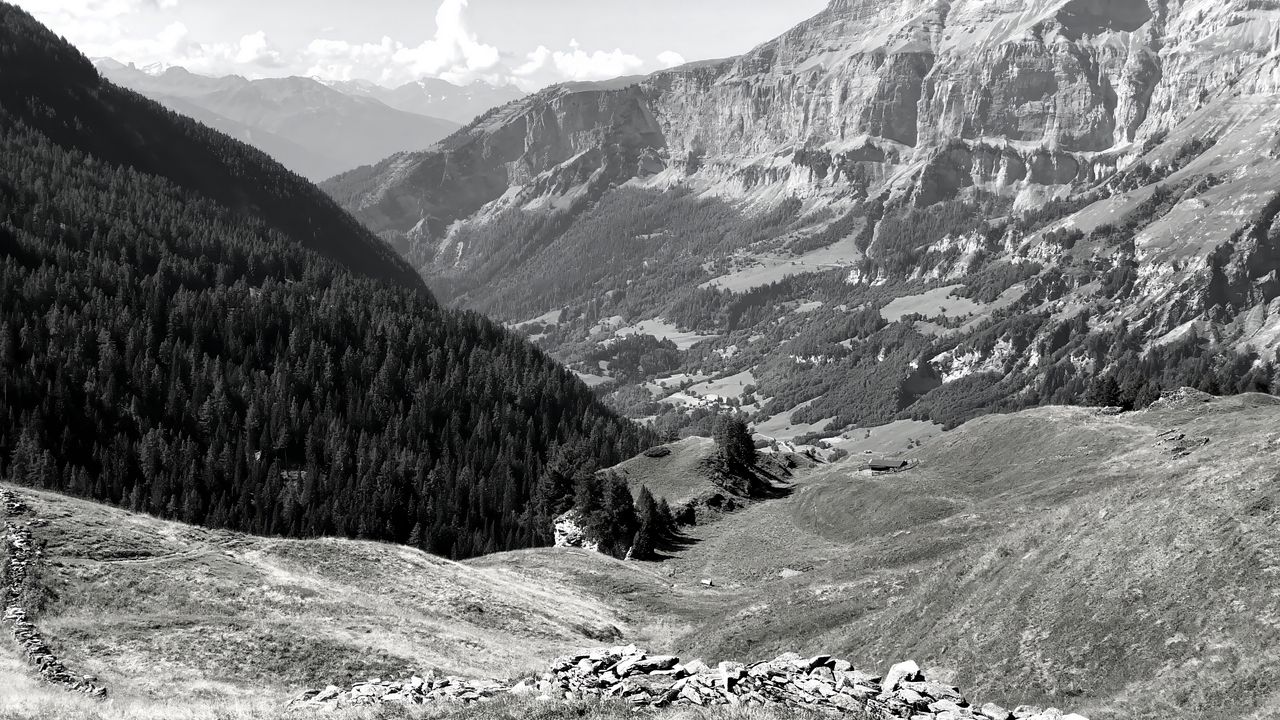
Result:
[920,362]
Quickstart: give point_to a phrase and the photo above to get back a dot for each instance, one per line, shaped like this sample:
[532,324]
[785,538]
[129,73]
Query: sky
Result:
[529,43]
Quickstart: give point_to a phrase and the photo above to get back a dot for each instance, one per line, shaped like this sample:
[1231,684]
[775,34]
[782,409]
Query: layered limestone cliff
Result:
[921,103]
[1049,84]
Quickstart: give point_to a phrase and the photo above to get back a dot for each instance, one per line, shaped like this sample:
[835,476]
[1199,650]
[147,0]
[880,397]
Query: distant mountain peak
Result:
[425,82]
[109,63]
[158,69]
[318,129]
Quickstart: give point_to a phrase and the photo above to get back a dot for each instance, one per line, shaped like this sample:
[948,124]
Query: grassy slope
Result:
[684,474]
[677,476]
[161,610]
[1055,556]
[42,703]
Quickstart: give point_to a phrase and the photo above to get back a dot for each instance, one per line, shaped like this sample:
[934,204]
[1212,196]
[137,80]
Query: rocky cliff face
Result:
[1054,82]
[941,129]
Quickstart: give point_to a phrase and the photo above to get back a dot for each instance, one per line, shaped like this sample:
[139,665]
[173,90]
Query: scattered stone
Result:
[1180,399]
[994,712]
[908,670]
[818,684]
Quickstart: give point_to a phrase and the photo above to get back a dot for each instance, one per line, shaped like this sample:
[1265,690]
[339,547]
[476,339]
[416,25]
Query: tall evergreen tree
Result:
[733,440]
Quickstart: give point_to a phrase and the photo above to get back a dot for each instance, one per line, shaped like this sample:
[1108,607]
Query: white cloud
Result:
[92,24]
[256,50]
[253,54]
[536,61]
[171,42]
[108,28]
[544,66]
[577,64]
[454,52]
[670,59]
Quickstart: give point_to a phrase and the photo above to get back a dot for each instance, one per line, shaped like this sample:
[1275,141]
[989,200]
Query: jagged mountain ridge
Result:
[940,132]
[862,80]
[315,130]
[436,97]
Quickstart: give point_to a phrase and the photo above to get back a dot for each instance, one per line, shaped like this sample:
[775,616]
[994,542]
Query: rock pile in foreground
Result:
[820,684]
[22,555]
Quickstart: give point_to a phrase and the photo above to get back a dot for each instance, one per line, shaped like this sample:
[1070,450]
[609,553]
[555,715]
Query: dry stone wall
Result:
[819,684]
[22,556]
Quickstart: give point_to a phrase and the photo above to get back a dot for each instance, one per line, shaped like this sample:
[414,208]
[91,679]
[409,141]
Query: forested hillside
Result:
[190,330]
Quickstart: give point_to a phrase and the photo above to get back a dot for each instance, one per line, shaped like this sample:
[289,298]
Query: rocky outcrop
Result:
[626,674]
[1053,86]
[21,557]
[568,532]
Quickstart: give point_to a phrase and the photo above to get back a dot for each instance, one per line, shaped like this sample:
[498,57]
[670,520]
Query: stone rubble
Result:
[569,532]
[1178,444]
[820,684]
[22,555]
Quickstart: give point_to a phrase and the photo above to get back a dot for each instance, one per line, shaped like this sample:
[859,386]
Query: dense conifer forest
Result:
[192,331]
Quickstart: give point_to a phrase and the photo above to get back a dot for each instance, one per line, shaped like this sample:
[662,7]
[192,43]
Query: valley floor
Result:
[1121,566]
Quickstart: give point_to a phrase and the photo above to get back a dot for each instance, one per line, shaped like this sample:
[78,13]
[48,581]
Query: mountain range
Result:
[435,97]
[257,436]
[894,211]
[316,129]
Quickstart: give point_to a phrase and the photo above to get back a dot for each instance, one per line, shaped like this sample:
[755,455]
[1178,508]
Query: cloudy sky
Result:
[532,43]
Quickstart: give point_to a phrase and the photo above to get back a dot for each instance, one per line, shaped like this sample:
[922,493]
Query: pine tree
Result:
[618,527]
[650,521]
[733,440]
[1104,391]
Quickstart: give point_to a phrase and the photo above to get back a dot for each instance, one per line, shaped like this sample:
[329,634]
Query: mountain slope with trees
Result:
[897,210]
[192,331]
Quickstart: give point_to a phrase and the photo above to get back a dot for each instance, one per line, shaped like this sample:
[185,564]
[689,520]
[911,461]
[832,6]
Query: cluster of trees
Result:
[636,357]
[905,234]
[221,363]
[623,526]
[1138,379]
[1142,174]
[634,246]
[992,280]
